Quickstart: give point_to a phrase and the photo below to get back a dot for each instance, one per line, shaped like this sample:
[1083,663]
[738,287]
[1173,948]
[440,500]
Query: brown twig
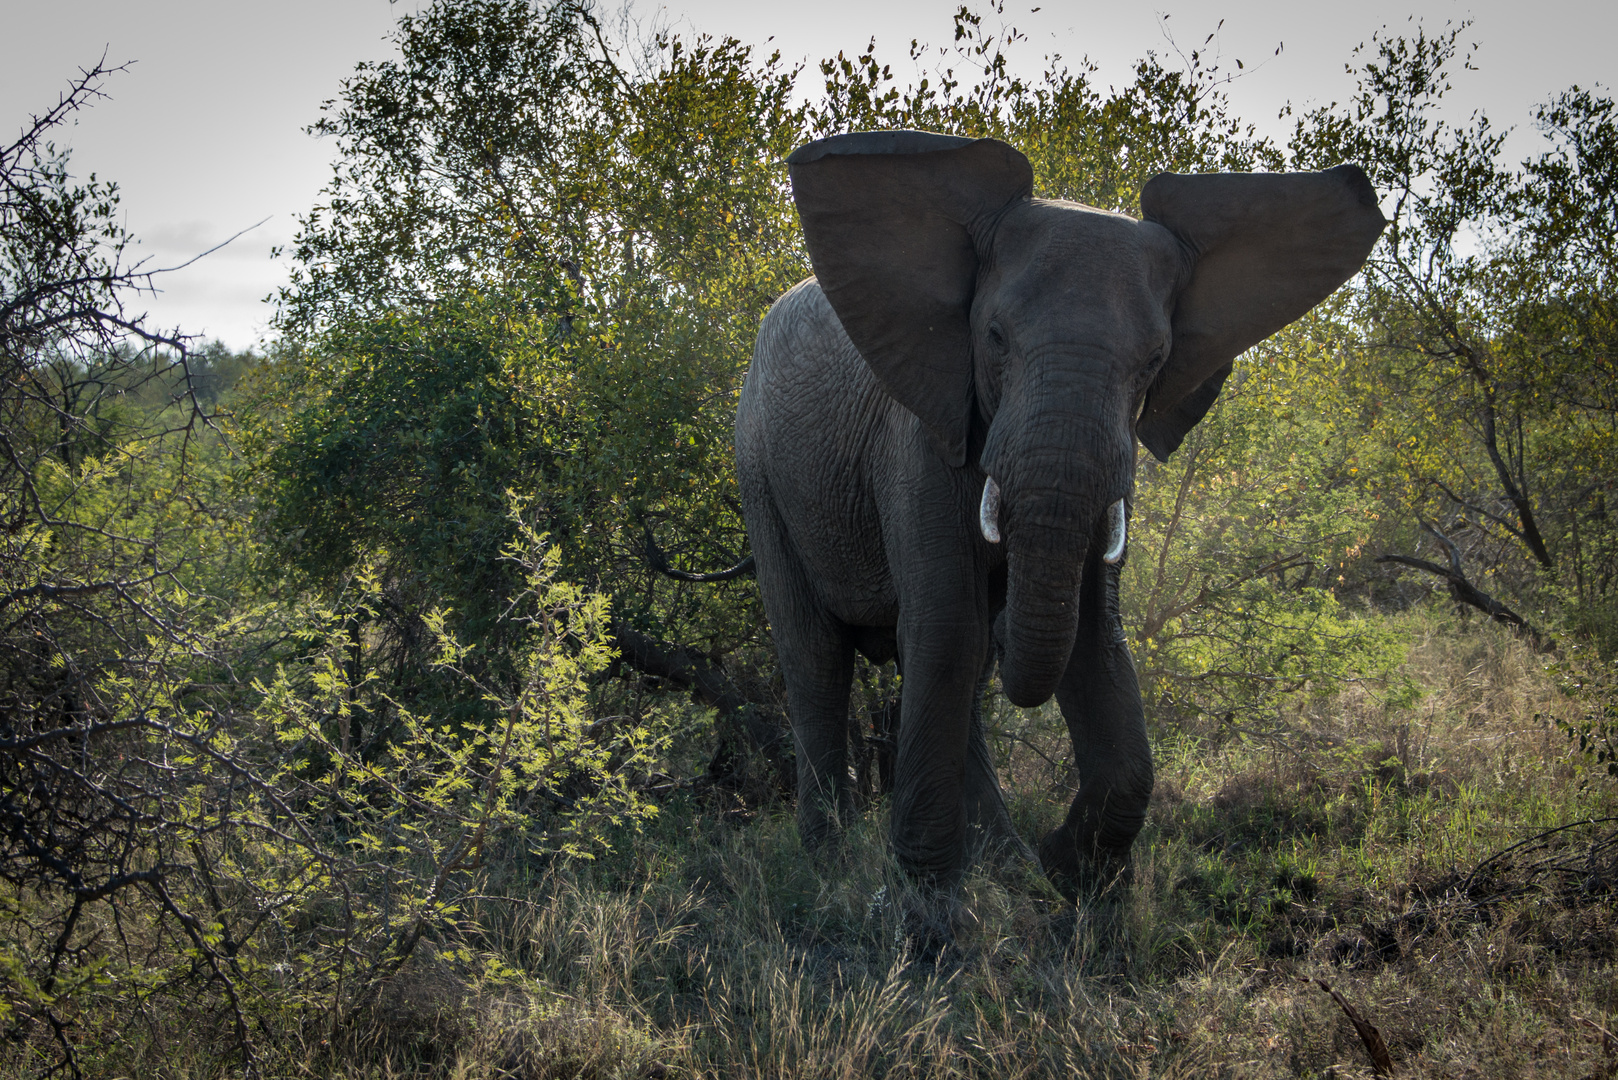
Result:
[1381,1060]
[1609,1048]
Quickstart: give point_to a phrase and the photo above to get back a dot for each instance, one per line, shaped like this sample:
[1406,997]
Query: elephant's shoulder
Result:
[803,308]
[801,327]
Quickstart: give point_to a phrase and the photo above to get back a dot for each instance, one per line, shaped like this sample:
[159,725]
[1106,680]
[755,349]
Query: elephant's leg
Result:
[942,664]
[986,813]
[816,654]
[1100,699]
[817,680]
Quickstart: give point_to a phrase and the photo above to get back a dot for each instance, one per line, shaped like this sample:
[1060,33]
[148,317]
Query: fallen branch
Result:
[1462,591]
[1381,1060]
[1588,863]
[1609,1046]
[710,686]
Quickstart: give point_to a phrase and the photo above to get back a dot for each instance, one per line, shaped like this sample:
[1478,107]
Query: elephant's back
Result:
[801,346]
[807,384]
[812,430]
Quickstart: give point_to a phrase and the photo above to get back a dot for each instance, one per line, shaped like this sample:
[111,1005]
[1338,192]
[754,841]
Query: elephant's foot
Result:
[1003,851]
[931,940]
[990,835]
[1082,869]
[930,917]
[821,829]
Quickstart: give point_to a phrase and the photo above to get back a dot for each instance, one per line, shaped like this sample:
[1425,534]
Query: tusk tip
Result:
[1117,533]
[989,511]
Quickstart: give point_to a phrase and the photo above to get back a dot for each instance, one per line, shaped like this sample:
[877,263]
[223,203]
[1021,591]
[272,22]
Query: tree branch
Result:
[708,685]
[660,562]
[1463,591]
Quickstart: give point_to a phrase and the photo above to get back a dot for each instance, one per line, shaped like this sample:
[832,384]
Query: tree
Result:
[536,273]
[1478,312]
[631,224]
[1558,273]
[110,496]
[69,352]
[1235,585]
[185,806]
[1086,146]
[98,516]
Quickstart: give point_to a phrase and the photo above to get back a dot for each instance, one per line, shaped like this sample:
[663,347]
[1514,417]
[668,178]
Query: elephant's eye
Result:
[997,336]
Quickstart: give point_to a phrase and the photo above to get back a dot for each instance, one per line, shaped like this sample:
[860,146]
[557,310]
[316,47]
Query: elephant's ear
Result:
[890,219]
[1268,247]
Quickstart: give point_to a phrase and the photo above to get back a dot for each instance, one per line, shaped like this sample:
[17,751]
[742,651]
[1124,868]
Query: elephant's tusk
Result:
[1117,534]
[989,511]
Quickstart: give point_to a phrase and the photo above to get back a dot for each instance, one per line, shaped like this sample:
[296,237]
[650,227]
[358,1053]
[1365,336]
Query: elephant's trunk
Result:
[1042,613]
[1042,601]
[1059,459]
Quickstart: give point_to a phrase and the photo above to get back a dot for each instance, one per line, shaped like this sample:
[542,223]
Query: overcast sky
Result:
[204,132]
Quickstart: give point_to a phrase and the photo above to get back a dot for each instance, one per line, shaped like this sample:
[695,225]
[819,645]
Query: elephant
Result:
[935,443]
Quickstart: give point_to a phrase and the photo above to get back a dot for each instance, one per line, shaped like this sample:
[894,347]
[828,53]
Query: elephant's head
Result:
[1044,337]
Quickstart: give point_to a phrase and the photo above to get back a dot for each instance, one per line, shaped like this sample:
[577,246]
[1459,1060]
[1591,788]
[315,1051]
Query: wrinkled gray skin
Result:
[958,330]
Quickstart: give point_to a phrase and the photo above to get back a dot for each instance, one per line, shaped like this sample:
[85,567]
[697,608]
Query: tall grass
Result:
[1347,841]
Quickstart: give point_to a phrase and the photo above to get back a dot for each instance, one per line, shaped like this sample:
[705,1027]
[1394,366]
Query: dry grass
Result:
[1341,844]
